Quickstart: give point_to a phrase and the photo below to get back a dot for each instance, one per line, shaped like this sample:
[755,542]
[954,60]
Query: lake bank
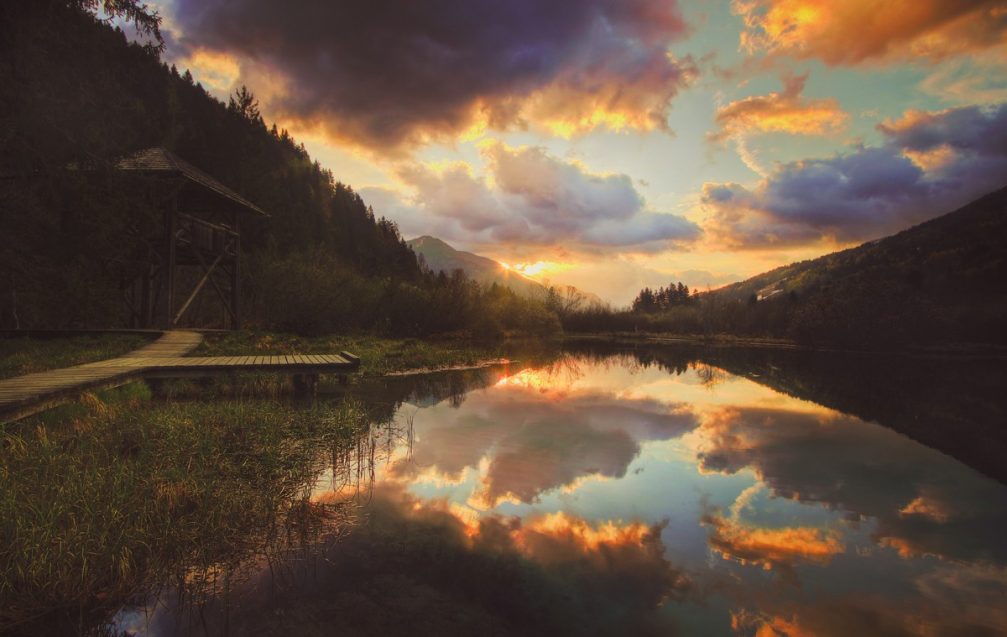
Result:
[632,491]
[103,497]
[20,355]
[950,350]
[159,478]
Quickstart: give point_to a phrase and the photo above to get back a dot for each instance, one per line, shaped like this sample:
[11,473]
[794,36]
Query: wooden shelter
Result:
[199,243]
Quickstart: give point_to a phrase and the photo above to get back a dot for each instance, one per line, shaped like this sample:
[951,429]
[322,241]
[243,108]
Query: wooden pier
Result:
[164,358]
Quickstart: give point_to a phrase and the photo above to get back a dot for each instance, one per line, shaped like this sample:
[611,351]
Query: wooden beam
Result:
[208,224]
[147,304]
[171,227]
[220,293]
[236,274]
[199,286]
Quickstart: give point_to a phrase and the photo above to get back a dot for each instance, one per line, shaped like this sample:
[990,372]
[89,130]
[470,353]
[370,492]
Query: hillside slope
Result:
[441,257]
[943,280]
[75,92]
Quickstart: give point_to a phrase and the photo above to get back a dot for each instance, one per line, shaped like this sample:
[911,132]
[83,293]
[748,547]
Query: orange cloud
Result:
[576,534]
[551,539]
[763,625]
[771,548]
[785,111]
[928,507]
[861,31]
[217,70]
[583,102]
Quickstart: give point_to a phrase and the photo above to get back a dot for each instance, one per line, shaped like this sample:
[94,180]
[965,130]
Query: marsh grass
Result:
[19,356]
[101,499]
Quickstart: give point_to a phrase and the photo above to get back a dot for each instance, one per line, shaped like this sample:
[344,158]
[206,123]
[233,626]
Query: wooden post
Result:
[305,385]
[147,303]
[199,286]
[236,275]
[171,226]
[156,386]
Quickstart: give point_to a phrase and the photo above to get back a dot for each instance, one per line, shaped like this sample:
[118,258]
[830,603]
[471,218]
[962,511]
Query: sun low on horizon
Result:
[617,144]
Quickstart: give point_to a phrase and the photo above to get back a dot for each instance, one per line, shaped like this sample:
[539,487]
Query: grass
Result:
[379,356]
[101,499]
[19,356]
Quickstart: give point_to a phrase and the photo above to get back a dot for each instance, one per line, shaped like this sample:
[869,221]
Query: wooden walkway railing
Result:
[164,358]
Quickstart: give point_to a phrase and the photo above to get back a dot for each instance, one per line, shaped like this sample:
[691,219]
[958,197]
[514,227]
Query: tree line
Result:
[76,92]
[937,283]
[648,300]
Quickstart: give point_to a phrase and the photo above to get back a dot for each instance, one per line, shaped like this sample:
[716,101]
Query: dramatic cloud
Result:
[860,31]
[783,112]
[951,599]
[844,198]
[770,548]
[591,436]
[972,129]
[530,443]
[931,164]
[534,198]
[550,454]
[921,502]
[430,567]
[391,73]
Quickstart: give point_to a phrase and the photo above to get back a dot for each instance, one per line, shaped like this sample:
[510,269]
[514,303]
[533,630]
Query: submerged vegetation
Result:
[100,499]
[19,356]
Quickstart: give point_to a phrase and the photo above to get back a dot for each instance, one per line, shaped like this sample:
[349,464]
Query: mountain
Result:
[942,280]
[441,257]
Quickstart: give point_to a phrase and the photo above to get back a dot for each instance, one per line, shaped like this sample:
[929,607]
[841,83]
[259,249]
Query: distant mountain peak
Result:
[427,240]
[440,256]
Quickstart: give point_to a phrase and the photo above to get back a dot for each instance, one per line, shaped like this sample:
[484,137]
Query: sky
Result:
[616,144]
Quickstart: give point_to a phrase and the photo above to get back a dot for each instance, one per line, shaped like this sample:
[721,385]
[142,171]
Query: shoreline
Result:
[937,350]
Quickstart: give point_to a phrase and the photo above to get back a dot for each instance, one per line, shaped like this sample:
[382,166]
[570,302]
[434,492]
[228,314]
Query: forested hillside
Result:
[75,92]
[939,282]
[943,280]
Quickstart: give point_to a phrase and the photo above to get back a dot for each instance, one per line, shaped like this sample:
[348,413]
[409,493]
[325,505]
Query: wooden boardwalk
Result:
[170,367]
[164,358]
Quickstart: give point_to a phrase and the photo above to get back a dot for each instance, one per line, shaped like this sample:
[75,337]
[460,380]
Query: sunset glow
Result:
[682,145]
[503,317]
[538,269]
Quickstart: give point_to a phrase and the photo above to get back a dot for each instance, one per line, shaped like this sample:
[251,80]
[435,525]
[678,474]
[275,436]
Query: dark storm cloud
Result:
[971,128]
[846,198]
[952,599]
[390,72]
[930,164]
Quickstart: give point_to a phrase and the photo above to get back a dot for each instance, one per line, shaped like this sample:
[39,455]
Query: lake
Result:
[646,491]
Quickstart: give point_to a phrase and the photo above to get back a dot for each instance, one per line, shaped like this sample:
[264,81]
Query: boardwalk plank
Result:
[167,354]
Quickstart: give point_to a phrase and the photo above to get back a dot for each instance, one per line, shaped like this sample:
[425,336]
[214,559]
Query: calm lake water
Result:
[629,493]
